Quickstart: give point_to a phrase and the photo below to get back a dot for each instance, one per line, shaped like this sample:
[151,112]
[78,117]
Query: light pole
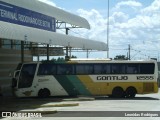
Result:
[67,47]
[108,31]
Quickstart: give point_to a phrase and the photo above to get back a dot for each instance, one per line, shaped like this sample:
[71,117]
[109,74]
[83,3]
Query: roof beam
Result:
[22,33]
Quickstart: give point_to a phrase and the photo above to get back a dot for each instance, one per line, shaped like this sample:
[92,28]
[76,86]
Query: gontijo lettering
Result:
[17,15]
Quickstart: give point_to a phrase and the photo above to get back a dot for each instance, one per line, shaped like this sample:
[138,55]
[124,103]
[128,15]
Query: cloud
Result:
[48,2]
[153,8]
[129,3]
[119,17]
[130,7]
[97,22]
[140,30]
[130,23]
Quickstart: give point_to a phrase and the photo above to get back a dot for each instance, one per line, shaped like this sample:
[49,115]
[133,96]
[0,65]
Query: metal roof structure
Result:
[18,32]
[49,10]
[25,33]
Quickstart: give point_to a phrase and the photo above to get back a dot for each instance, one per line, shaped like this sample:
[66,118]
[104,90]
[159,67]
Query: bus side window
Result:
[147,68]
[79,69]
[118,68]
[132,68]
[69,69]
[46,69]
[53,70]
[115,69]
[63,69]
[84,69]
[106,69]
[89,69]
[98,69]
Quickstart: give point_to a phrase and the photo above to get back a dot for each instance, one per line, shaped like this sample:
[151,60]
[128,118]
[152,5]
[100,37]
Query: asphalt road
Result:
[143,107]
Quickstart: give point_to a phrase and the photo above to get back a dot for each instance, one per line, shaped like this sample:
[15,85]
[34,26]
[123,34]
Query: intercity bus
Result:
[114,78]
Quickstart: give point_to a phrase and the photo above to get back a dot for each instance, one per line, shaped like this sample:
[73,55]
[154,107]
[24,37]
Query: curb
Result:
[57,105]
[80,99]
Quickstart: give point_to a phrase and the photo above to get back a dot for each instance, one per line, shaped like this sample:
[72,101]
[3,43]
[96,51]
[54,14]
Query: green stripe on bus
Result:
[66,84]
[79,86]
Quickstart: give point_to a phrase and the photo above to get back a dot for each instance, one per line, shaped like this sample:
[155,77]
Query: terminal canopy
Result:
[52,11]
[18,32]
[19,20]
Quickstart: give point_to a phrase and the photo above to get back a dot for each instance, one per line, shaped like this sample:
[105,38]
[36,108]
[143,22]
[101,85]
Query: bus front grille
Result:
[148,87]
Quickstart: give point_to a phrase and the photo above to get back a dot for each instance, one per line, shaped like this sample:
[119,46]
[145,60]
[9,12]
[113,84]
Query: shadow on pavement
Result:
[136,98]
[16,104]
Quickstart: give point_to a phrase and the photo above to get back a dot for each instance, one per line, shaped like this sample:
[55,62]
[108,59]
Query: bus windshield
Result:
[27,75]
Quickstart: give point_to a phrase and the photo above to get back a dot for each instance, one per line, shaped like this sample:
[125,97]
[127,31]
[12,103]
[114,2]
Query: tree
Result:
[73,56]
[120,57]
[60,59]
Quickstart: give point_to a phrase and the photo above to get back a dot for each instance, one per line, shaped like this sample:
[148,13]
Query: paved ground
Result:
[101,108]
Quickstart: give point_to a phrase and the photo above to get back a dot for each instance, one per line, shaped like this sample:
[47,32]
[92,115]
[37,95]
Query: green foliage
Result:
[73,56]
[120,57]
[58,60]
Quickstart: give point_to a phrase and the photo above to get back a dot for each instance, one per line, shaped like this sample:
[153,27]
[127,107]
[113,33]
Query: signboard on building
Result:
[53,51]
[21,16]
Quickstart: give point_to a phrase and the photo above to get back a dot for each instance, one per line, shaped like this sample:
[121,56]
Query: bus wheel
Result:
[131,92]
[117,92]
[44,93]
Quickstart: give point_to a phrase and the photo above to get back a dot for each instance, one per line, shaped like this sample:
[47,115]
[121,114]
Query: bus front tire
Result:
[117,92]
[131,92]
[43,93]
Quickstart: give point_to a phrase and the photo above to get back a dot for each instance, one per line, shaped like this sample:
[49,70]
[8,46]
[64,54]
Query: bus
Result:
[114,78]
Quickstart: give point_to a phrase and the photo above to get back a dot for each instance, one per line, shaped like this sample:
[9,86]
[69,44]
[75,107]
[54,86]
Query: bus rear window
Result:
[147,68]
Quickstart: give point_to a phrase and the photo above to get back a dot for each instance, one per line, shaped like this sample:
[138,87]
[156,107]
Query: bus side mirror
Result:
[16,73]
[15,78]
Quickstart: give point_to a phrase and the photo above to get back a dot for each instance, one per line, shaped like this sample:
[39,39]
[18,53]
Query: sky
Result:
[131,22]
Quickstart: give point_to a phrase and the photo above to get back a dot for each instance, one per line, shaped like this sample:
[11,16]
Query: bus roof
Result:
[93,61]
[109,61]
[89,59]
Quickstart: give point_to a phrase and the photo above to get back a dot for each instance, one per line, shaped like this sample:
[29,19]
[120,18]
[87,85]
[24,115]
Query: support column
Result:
[22,51]
[129,52]
[47,52]
[70,52]
[108,31]
[87,53]
[0,43]
[67,47]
